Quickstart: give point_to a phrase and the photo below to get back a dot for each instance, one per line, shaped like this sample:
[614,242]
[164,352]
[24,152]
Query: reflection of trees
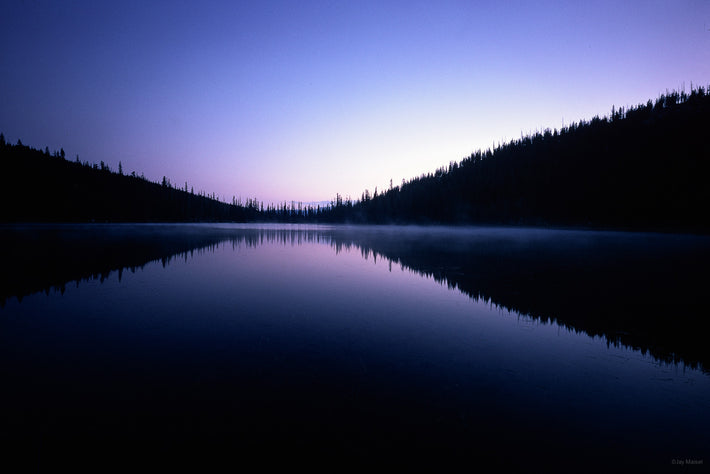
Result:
[41,258]
[47,257]
[644,291]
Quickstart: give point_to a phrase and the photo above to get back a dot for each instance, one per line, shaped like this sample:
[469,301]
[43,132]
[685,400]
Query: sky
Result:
[300,100]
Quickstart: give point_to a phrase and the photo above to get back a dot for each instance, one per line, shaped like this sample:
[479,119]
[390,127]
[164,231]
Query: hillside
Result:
[38,187]
[643,168]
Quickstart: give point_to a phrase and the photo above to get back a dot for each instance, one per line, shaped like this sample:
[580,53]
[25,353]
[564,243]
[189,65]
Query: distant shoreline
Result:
[459,225]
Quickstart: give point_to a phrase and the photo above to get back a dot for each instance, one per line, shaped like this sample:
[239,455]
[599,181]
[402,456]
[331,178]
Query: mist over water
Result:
[422,344]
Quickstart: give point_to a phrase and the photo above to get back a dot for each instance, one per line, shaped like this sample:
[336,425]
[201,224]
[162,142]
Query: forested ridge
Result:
[642,167]
[645,167]
[36,186]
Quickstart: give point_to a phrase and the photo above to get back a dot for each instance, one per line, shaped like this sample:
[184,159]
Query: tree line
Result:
[641,167]
[42,187]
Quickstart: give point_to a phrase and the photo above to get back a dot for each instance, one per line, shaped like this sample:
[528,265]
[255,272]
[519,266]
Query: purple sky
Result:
[300,100]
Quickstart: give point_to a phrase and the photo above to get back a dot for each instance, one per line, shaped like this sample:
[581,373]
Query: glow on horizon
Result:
[302,100]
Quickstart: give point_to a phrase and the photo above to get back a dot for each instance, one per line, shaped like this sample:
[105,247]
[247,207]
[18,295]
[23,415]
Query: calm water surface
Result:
[303,343]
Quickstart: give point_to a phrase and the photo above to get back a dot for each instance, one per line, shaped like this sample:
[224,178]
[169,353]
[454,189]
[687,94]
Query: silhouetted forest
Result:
[642,167]
[36,186]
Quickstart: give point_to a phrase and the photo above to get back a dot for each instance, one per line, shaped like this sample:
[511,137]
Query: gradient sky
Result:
[298,100]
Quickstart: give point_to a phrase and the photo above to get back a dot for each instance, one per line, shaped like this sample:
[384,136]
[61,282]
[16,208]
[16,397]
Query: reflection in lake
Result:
[310,341]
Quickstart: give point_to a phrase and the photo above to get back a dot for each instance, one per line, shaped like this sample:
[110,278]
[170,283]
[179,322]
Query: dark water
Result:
[128,346]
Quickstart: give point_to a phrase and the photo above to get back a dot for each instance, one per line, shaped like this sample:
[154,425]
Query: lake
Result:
[217,344]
